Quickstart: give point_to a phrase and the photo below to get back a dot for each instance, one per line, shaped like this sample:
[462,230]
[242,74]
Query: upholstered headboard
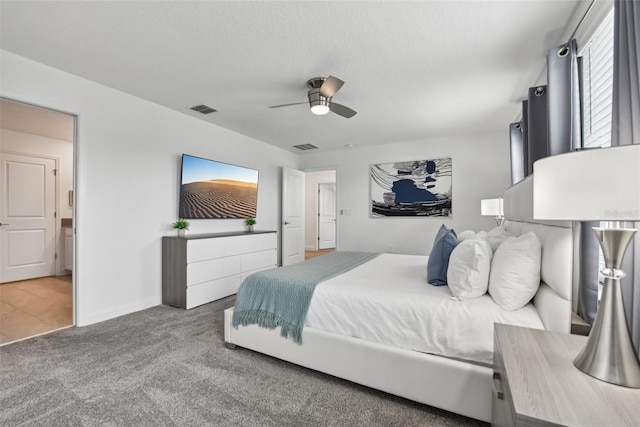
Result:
[553,299]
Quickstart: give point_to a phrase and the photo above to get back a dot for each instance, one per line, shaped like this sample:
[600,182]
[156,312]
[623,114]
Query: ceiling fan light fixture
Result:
[319,104]
[320,110]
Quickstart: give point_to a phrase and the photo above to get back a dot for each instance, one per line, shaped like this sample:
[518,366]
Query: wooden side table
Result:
[536,384]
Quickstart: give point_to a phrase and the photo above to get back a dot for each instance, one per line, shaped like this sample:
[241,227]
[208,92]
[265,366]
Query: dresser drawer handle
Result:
[500,395]
[496,376]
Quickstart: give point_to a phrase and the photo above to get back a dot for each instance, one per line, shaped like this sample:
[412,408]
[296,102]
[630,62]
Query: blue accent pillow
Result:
[438,262]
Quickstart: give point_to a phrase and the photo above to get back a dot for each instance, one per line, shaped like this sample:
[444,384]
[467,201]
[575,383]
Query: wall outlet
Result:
[390,249]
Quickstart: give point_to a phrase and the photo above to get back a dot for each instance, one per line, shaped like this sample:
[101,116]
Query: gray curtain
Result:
[563,98]
[581,86]
[589,251]
[524,127]
[517,154]
[537,142]
[626,130]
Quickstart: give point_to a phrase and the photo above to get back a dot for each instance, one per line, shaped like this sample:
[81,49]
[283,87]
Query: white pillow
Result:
[496,236]
[515,271]
[469,265]
[466,234]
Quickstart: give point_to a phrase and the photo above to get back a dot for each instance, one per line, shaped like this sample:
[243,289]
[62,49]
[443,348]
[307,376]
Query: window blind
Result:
[598,86]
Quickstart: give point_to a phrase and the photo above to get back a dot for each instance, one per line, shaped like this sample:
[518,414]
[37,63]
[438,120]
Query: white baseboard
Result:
[85,320]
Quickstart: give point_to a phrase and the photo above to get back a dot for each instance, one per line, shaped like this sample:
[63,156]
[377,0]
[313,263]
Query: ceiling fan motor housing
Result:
[315,99]
[319,104]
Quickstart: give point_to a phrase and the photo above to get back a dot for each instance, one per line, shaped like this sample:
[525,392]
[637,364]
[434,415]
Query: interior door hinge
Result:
[56,256]
[55,214]
[55,172]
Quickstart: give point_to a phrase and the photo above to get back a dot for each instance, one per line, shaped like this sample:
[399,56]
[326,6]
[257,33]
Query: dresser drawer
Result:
[502,413]
[203,249]
[211,291]
[258,260]
[204,271]
[261,242]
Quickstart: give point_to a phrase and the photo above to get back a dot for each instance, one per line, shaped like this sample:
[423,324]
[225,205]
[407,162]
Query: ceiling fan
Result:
[321,91]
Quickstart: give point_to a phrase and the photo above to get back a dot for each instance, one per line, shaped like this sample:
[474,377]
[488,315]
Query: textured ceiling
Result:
[413,70]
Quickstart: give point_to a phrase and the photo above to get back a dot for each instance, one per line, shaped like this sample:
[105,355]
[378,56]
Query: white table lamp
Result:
[598,185]
[492,207]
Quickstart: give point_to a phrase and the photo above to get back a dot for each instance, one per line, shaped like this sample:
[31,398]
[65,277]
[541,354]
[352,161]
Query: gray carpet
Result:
[165,366]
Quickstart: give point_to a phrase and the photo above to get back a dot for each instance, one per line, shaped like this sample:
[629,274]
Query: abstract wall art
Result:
[414,188]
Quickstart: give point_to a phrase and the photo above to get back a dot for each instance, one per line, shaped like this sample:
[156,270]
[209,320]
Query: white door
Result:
[292,216]
[27,214]
[326,216]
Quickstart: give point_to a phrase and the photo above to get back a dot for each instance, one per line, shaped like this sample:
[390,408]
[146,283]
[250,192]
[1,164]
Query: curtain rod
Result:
[581,21]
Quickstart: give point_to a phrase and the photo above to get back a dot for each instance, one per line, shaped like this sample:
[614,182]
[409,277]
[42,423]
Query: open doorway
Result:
[320,213]
[36,220]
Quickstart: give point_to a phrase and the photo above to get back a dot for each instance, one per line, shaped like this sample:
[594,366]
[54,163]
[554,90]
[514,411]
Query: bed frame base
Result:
[447,384]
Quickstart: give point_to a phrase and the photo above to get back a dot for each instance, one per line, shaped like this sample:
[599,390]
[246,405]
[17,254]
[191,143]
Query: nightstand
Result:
[536,384]
[579,326]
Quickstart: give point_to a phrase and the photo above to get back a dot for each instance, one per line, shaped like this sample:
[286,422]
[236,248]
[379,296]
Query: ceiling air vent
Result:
[204,109]
[305,146]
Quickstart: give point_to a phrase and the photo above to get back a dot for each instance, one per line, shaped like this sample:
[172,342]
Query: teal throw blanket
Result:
[281,297]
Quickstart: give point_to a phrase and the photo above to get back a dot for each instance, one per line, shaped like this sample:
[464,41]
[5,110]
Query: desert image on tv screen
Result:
[213,189]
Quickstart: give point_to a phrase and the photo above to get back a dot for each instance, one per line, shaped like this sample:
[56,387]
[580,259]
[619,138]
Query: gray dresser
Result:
[200,268]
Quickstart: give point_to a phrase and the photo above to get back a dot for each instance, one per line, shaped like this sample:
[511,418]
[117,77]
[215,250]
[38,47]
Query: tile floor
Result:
[312,254]
[31,307]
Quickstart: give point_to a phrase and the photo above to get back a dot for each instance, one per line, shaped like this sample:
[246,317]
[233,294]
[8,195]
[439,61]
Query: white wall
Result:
[128,165]
[480,171]
[311,180]
[62,151]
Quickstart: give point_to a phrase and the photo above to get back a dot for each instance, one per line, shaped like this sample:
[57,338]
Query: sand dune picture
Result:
[216,190]
[219,199]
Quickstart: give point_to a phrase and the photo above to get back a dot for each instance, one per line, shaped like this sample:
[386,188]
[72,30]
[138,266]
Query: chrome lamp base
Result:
[609,354]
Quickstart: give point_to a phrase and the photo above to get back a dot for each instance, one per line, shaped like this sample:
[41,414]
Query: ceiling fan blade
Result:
[286,105]
[341,110]
[330,86]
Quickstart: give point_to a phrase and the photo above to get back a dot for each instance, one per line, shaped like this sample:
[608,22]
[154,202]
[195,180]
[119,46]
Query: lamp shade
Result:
[492,207]
[589,185]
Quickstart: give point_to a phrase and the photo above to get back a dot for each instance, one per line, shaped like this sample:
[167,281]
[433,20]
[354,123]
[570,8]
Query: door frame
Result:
[74,208]
[325,169]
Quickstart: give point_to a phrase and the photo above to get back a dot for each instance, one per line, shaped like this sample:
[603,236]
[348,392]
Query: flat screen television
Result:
[216,190]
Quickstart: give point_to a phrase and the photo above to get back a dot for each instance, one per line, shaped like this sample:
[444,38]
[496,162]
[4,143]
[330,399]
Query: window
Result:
[597,69]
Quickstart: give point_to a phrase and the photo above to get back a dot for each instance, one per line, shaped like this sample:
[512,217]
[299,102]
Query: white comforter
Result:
[388,300]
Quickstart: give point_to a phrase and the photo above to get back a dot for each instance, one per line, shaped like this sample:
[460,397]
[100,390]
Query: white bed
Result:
[457,383]
[387,301]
